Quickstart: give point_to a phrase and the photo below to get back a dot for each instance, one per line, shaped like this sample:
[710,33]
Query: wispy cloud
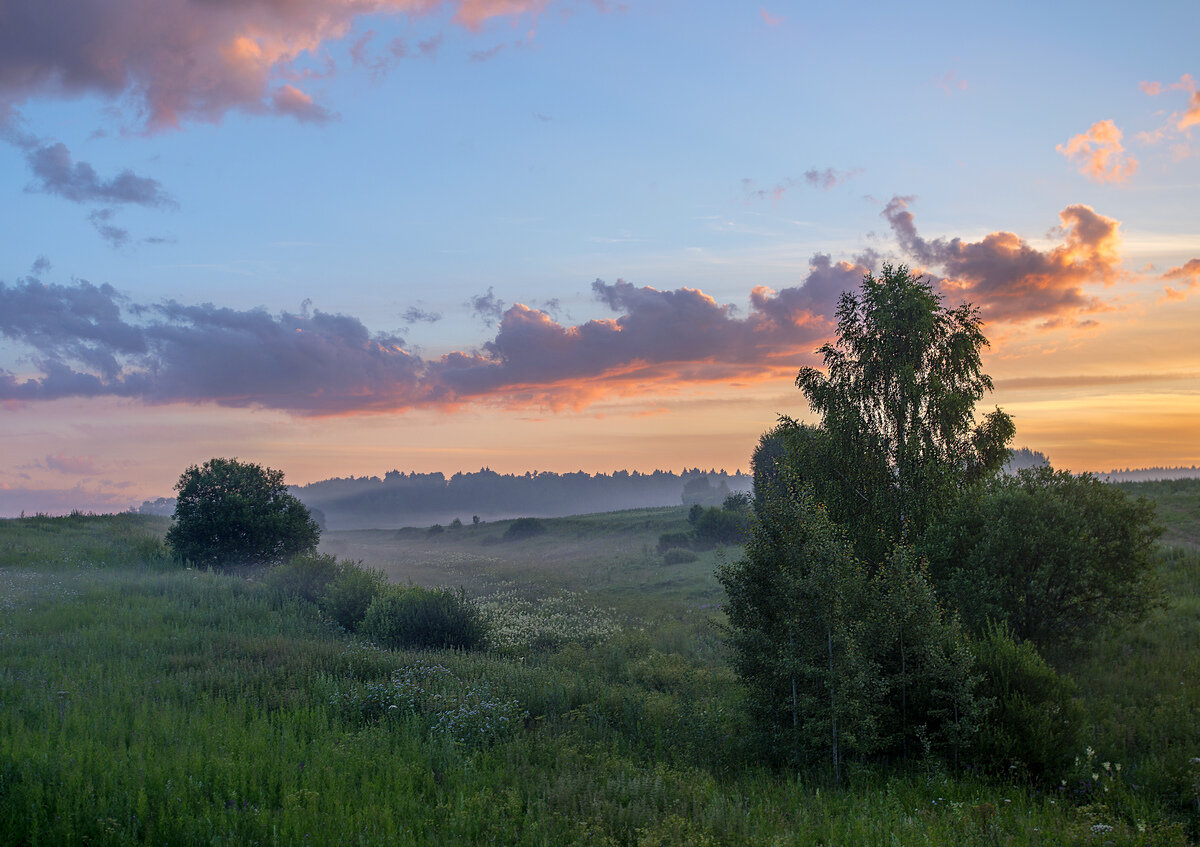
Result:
[414,315]
[950,81]
[1178,122]
[819,178]
[58,173]
[101,220]
[1099,153]
[487,307]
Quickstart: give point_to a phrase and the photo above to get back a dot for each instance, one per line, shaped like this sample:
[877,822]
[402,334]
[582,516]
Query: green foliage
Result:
[350,593]
[307,576]
[838,663]
[1035,724]
[794,626]
[415,617]
[523,528]
[678,556]
[719,526]
[1057,557]
[230,513]
[897,403]
[933,705]
[694,513]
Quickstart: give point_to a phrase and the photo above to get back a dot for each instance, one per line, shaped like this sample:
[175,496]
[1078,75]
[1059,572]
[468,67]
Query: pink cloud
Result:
[1185,83]
[1100,154]
[182,60]
[80,465]
[950,81]
[290,100]
[768,18]
[1187,276]
[1178,121]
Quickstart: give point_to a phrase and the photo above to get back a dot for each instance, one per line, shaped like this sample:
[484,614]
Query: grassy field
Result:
[145,704]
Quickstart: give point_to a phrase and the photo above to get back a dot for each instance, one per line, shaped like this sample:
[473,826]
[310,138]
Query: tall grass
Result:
[144,704]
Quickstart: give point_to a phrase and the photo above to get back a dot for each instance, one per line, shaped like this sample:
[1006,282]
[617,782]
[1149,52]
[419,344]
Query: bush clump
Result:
[678,556]
[717,526]
[523,528]
[424,618]
[1057,557]
[1035,724]
[350,593]
[307,577]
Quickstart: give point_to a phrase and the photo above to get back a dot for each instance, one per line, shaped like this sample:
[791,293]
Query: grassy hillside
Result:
[143,704]
[612,555]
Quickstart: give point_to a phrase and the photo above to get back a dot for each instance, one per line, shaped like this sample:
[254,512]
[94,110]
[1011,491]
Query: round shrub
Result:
[231,514]
[350,593]
[422,617]
[678,556]
[1035,724]
[523,528]
[305,576]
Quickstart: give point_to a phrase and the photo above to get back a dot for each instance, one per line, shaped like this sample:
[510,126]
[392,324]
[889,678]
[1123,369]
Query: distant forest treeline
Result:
[415,499]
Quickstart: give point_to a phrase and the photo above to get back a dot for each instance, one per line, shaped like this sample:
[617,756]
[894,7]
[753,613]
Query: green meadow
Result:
[144,703]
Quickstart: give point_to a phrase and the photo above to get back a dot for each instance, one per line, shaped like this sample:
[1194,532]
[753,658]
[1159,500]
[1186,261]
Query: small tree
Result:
[794,609]
[838,663]
[897,402]
[230,513]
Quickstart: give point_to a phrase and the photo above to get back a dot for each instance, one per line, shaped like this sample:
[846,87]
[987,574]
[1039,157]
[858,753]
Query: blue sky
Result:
[419,155]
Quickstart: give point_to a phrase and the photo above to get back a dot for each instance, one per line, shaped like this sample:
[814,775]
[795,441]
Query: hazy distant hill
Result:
[414,499]
[1150,474]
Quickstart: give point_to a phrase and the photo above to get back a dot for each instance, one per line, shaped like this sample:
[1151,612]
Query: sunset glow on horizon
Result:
[340,238]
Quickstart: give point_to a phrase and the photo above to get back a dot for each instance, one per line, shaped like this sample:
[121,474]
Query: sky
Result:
[340,237]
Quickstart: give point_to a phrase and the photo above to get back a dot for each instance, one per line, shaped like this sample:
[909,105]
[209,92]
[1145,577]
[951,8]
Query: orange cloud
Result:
[1100,154]
[1012,281]
[1191,116]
